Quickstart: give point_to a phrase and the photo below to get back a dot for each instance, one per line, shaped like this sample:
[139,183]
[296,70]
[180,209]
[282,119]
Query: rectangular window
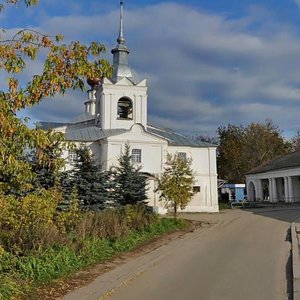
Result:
[136,155]
[72,156]
[182,155]
[196,189]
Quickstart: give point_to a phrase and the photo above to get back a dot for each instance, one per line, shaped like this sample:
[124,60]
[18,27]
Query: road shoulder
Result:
[86,282]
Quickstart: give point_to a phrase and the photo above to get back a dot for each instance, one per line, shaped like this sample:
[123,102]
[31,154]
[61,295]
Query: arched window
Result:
[125,109]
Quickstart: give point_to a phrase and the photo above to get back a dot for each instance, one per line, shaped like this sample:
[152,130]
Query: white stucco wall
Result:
[154,151]
[152,148]
[205,170]
[108,96]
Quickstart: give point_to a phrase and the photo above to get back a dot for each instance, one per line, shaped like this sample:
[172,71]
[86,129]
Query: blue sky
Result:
[208,63]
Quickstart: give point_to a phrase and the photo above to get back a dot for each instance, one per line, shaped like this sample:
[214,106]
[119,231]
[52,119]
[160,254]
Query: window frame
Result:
[182,155]
[196,189]
[136,155]
[72,156]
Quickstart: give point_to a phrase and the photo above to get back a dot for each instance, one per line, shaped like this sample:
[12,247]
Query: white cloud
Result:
[297,3]
[204,70]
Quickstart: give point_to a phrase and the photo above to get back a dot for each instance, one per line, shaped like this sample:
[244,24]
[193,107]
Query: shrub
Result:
[68,219]
[95,238]
[28,223]
[113,223]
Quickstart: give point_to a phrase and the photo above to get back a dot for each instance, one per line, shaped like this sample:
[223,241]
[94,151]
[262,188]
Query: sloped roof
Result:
[291,160]
[176,139]
[82,118]
[86,132]
[49,125]
[90,133]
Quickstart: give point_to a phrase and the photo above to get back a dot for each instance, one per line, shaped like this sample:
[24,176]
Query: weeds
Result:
[94,237]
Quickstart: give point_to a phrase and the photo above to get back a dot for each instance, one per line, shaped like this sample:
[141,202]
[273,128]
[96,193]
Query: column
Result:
[274,186]
[286,190]
[259,191]
[271,190]
[291,190]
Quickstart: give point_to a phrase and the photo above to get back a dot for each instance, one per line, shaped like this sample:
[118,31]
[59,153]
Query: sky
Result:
[208,63]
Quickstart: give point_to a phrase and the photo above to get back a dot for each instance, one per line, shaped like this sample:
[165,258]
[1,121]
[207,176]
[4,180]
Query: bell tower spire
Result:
[121,101]
[120,55]
[121,39]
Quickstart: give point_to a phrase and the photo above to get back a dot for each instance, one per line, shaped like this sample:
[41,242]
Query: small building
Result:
[116,114]
[276,181]
[232,192]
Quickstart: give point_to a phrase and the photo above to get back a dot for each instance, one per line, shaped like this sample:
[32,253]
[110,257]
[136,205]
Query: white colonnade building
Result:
[276,181]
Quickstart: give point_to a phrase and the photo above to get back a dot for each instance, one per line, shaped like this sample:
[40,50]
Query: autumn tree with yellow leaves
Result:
[66,66]
[176,183]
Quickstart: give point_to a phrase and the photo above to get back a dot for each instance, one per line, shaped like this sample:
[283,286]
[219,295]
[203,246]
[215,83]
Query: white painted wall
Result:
[154,151]
[151,153]
[205,169]
[108,96]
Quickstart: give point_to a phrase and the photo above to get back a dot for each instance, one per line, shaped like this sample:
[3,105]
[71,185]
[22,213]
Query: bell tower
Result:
[121,100]
[90,104]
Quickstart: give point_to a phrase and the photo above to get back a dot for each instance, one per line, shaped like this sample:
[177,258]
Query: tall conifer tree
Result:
[92,184]
[130,183]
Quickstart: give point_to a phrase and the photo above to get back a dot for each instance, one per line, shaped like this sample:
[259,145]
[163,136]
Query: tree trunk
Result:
[175,211]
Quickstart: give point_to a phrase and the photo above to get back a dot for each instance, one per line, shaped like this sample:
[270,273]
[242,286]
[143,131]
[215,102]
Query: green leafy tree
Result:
[263,142]
[244,148]
[66,66]
[176,183]
[130,183]
[93,185]
[231,166]
[295,141]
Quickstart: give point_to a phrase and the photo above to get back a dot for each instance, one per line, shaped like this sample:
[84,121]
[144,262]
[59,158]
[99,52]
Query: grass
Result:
[223,205]
[21,275]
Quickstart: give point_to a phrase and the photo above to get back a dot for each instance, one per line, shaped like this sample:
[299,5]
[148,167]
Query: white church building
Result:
[116,114]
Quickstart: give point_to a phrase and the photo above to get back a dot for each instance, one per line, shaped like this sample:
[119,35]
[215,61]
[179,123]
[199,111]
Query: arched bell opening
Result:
[125,109]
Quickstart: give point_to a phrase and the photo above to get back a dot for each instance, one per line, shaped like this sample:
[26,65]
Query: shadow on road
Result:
[289,277]
[285,213]
[289,269]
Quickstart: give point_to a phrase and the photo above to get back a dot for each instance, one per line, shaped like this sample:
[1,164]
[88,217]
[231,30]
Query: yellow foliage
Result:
[38,209]
[68,220]
[2,251]
[25,222]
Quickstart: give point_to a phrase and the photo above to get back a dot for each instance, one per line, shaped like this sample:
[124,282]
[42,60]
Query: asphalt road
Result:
[245,255]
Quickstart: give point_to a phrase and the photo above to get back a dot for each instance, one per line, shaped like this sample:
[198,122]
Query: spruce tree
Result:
[92,184]
[130,183]
[46,170]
